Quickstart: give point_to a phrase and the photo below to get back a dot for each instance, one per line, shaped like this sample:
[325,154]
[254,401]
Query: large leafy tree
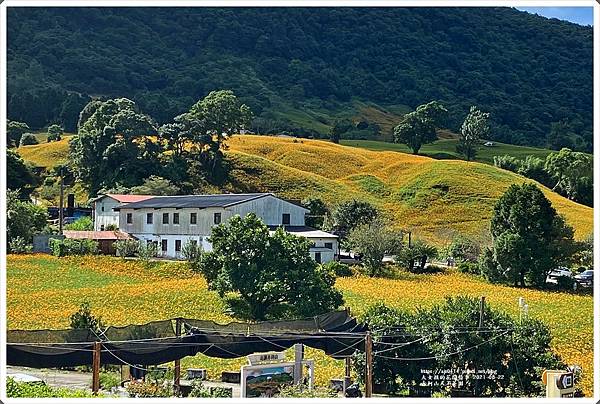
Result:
[373,241]
[474,128]
[114,145]
[14,131]
[348,215]
[446,336]
[529,237]
[415,256]
[569,169]
[270,272]
[222,114]
[419,127]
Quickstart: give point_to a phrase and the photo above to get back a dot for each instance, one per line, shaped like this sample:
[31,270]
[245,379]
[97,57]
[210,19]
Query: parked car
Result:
[557,273]
[586,278]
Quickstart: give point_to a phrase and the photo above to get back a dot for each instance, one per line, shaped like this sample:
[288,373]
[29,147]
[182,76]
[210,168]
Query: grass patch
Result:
[136,295]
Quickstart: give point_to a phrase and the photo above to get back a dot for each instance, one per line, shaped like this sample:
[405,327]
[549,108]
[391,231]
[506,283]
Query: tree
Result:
[416,254]
[339,127]
[268,272]
[474,128]
[19,175]
[529,237]
[23,219]
[463,249]
[347,215]
[155,185]
[567,168]
[54,132]
[222,114]
[83,319]
[113,145]
[318,211]
[28,139]
[373,241]
[14,131]
[419,127]
[447,335]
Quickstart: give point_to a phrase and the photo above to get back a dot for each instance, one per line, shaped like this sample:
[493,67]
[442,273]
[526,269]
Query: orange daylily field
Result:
[43,291]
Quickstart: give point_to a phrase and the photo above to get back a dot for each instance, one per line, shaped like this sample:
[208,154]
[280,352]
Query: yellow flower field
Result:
[43,291]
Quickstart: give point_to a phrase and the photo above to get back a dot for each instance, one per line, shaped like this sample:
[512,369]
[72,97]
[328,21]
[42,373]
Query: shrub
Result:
[16,389]
[83,318]
[126,248]
[148,389]
[83,223]
[469,268]
[28,139]
[147,250]
[415,257]
[432,269]
[198,390]
[18,245]
[192,253]
[109,380]
[340,269]
[111,227]
[463,249]
[67,246]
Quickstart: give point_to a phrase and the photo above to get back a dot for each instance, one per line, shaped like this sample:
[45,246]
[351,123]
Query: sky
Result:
[578,15]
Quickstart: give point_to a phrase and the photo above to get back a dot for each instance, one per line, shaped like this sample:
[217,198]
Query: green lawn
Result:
[446,149]
[43,291]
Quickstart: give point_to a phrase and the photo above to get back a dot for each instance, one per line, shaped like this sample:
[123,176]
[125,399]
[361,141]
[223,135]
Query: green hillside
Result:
[300,68]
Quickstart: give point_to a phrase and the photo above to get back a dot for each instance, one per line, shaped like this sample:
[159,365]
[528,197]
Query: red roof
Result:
[97,235]
[129,198]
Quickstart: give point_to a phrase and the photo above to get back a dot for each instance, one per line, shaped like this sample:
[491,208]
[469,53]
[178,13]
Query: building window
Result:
[149,218]
[129,218]
[217,218]
[175,218]
[193,218]
[329,245]
[101,227]
[165,218]
[285,218]
[318,257]
[164,244]
[102,208]
[177,245]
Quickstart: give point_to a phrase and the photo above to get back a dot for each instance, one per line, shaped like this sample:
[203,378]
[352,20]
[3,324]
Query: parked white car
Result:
[557,273]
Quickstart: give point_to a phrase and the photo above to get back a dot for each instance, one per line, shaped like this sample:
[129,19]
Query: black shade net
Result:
[336,333]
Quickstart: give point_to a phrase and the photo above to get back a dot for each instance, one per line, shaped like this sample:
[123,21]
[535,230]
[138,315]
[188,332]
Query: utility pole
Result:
[177,369]
[96,367]
[481,308]
[61,202]
[298,358]
[369,365]
[347,365]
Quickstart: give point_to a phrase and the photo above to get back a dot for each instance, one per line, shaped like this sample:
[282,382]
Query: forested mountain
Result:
[526,70]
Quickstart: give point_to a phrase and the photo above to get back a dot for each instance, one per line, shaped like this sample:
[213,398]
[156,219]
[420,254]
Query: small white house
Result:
[103,209]
[172,221]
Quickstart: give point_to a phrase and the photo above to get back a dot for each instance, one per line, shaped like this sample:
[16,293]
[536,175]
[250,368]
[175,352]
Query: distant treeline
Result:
[527,71]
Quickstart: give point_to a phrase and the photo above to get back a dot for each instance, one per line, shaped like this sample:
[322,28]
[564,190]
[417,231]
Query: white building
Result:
[103,209]
[172,221]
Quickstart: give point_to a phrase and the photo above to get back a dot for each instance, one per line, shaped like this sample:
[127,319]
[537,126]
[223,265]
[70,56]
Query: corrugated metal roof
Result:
[97,235]
[193,201]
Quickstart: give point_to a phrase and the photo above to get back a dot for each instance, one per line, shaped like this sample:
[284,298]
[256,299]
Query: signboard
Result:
[266,357]
[559,383]
[265,380]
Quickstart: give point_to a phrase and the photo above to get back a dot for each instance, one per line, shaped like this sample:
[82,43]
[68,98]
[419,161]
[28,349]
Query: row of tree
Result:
[567,172]
[116,145]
